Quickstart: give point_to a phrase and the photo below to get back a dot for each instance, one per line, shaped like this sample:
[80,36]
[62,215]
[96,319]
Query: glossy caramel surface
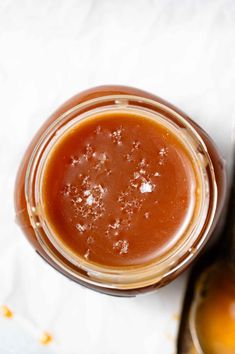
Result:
[118,189]
[215,315]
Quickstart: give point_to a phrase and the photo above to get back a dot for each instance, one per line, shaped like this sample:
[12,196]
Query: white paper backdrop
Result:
[181,50]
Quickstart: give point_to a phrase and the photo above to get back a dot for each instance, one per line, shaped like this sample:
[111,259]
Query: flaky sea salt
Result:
[122,246]
[115,225]
[101,189]
[103,157]
[98,130]
[163,152]
[81,228]
[129,157]
[74,160]
[136,175]
[89,150]
[86,255]
[116,136]
[90,200]
[142,162]
[146,187]
[133,184]
[136,144]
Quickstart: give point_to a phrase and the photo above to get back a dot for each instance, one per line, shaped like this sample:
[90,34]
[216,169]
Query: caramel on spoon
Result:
[208,318]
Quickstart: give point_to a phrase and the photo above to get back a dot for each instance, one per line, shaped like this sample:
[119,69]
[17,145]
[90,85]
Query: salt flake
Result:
[136,175]
[80,228]
[122,246]
[163,152]
[146,187]
[90,200]
[86,255]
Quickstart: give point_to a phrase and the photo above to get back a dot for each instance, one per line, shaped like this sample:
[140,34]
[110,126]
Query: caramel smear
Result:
[46,338]
[6,312]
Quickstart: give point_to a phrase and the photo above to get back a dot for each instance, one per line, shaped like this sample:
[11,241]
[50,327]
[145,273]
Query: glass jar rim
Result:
[129,277]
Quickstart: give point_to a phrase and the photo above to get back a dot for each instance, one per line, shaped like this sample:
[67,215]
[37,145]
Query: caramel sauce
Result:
[119,189]
[215,316]
[22,215]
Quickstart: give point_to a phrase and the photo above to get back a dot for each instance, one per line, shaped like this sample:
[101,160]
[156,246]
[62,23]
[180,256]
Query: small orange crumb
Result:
[6,312]
[46,338]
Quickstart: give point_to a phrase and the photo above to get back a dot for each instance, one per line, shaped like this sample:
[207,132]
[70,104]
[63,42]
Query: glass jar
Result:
[115,281]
